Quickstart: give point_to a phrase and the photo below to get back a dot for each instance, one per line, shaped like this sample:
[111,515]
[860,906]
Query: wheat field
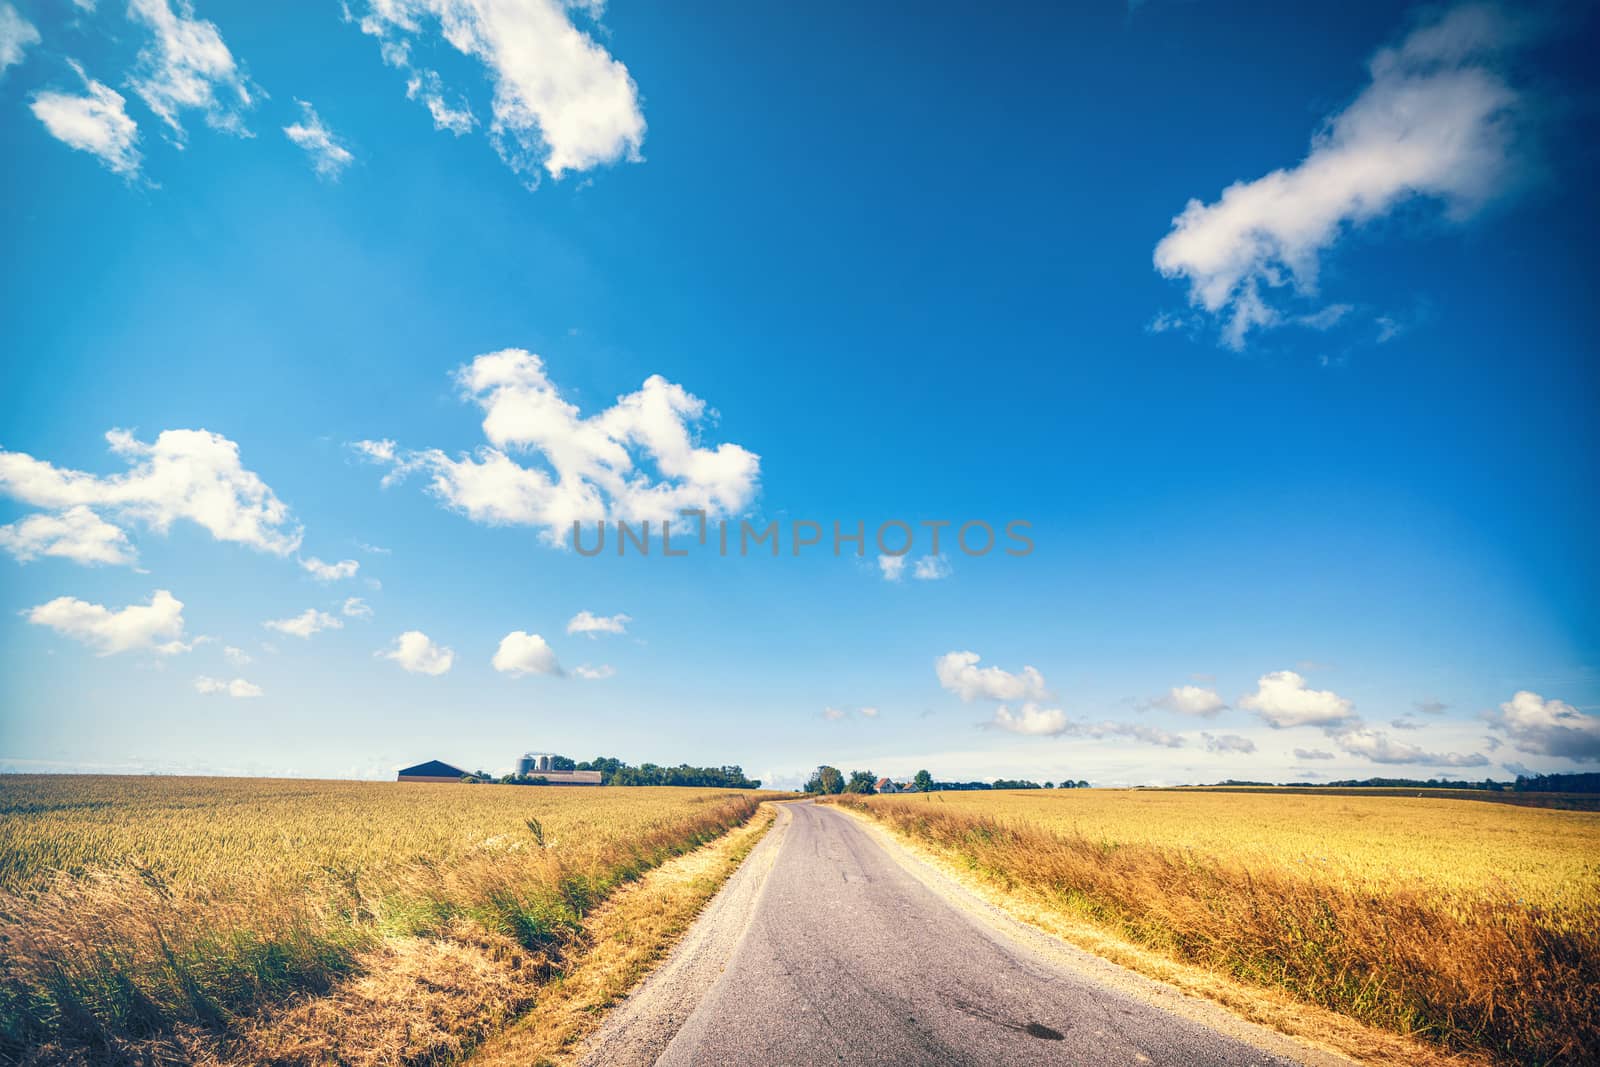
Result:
[200,919]
[1472,925]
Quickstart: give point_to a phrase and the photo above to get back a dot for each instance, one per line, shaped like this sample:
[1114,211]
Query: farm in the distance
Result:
[200,918]
[1472,924]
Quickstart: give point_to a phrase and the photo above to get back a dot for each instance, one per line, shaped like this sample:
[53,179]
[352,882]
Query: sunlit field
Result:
[146,916]
[1476,925]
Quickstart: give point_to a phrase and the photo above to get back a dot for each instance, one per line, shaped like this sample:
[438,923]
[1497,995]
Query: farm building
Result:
[569,777]
[432,771]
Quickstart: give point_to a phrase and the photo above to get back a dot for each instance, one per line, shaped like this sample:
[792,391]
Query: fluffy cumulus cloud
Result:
[931,569]
[417,653]
[893,568]
[193,475]
[186,66]
[329,572]
[236,656]
[594,674]
[1548,727]
[635,461]
[356,608]
[1191,700]
[95,121]
[524,653]
[17,35]
[154,627]
[303,625]
[960,674]
[1283,699]
[1228,744]
[1438,120]
[561,102]
[1379,747]
[77,534]
[329,158]
[587,623]
[238,688]
[1031,720]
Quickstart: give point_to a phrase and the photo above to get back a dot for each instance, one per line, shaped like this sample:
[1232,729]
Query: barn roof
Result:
[432,769]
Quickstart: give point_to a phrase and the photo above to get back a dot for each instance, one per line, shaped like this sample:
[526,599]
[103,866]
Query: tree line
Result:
[827,780]
[617,772]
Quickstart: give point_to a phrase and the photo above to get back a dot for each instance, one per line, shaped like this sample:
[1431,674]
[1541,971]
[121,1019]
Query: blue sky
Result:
[1274,324]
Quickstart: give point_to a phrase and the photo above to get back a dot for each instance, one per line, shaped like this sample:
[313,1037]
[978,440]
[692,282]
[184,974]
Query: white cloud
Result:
[869,713]
[416,652]
[1031,719]
[594,674]
[1228,743]
[1312,753]
[931,569]
[186,66]
[1379,747]
[329,572]
[1438,120]
[1191,700]
[305,624]
[561,102]
[17,35]
[96,122]
[155,627]
[960,674]
[238,688]
[356,608]
[585,623]
[184,474]
[329,158]
[594,465]
[426,86]
[1282,699]
[524,653]
[1548,727]
[893,568]
[77,534]
[237,656]
[833,714]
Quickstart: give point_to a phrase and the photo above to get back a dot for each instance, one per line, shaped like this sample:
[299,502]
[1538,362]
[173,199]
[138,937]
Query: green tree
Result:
[862,783]
[923,781]
[562,763]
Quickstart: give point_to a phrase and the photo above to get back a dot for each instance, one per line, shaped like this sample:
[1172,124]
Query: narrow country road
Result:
[834,945]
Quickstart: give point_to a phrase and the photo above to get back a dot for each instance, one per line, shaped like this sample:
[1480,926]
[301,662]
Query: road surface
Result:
[833,945]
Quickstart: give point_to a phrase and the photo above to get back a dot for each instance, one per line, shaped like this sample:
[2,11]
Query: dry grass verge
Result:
[625,939]
[1470,972]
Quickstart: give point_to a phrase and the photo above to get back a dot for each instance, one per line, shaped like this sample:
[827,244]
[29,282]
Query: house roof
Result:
[432,769]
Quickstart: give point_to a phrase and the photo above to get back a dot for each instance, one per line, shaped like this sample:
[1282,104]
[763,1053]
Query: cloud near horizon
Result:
[1283,700]
[1548,727]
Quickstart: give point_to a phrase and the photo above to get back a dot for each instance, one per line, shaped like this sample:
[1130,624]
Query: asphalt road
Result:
[832,945]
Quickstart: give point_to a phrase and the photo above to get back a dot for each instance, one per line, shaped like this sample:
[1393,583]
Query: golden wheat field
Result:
[1473,925]
[200,919]
[1542,856]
